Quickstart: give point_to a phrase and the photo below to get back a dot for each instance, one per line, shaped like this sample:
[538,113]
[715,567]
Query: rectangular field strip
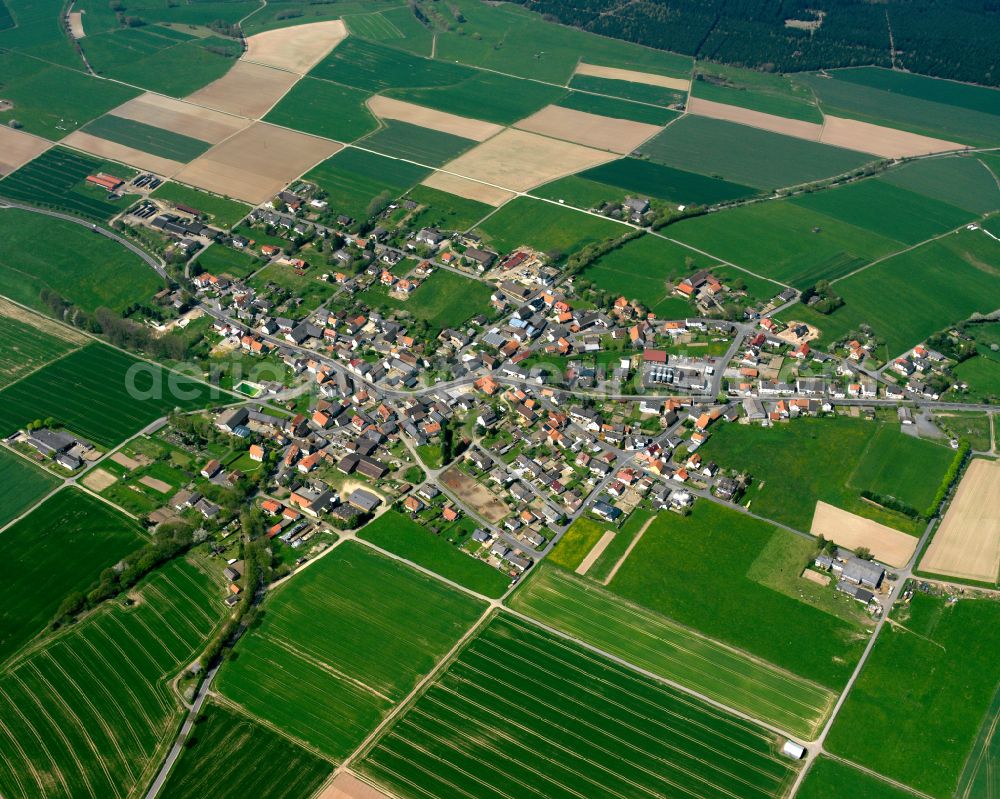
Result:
[148,138]
[657,644]
[522,714]
[87,715]
[50,180]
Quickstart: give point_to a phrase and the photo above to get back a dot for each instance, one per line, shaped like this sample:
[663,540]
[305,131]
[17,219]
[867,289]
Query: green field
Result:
[833,460]
[444,299]
[99,393]
[757,90]
[415,143]
[91,713]
[221,260]
[656,180]
[746,155]
[924,692]
[374,67]
[307,106]
[221,210]
[59,548]
[353,178]
[750,569]
[627,90]
[338,643]
[445,211]
[56,179]
[582,609]
[982,373]
[832,779]
[51,101]
[972,426]
[223,758]
[401,536]
[943,109]
[26,347]
[960,181]
[618,109]
[580,192]
[547,227]
[523,713]
[149,139]
[87,270]
[397,26]
[979,777]
[308,287]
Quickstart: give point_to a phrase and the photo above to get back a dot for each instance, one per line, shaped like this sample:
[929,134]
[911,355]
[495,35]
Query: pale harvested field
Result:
[156,485]
[124,460]
[518,160]
[98,479]
[755,119]
[632,75]
[470,189]
[475,129]
[76,25]
[178,116]
[605,133]
[256,163]
[247,90]
[347,786]
[851,531]
[595,552]
[18,147]
[147,162]
[298,48]
[475,495]
[42,323]
[879,140]
[967,544]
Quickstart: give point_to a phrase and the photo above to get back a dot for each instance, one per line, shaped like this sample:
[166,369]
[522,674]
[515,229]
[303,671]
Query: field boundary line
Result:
[221,699]
[632,545]
[38,368]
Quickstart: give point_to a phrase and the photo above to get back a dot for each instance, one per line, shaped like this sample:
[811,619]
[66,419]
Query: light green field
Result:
[222,260]
[924,692]
[221,210]
[445,211]
[398,27]
[338,642]
[582,609]
[444,299]
[546,227]
[307,106]
[961,181]
[91,713]
[832,779]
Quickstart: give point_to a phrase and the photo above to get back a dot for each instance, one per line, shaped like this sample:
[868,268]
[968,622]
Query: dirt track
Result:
[18,147]
[605,133]
[632,76]
[475,129]
[967,544]
[595,552]
[849,530]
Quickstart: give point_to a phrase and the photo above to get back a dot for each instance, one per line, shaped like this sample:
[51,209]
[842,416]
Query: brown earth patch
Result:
[347,786]
[257,163]
[755,119]
[98,479]
[470,189]
[518,160]
[298,48]
[181,117]
[119,152]
[880,140]
[852,531]
[18,147]
[475,129]
[633,76]
[157,485]
[124,460]
[475,495]
[247,90]
[814,576]
[592,130]
[76,24]
[967,544]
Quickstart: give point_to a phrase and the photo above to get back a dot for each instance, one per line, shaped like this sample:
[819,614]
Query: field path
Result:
[632,545]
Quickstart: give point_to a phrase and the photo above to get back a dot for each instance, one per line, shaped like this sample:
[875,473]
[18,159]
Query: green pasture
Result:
[834,779]
[307,106]
[221,260]
[26,347]
[653,179]
[545,226]
[445,211]
[961,181]
[220,210]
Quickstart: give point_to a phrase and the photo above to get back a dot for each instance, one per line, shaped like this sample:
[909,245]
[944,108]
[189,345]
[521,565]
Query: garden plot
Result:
[18,147]
[475,129]
[967,544]
[592,130]
[180,117]
[469,189]
[852,531]
[518,160]
[296,49]
[247,90]
[879,140]
[757,119]
[120,152]
[633,76]
[257,162]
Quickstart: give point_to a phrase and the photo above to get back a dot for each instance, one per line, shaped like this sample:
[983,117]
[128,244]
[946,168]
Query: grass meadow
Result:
[399,535]
[149,139]
[341,644]
[90,713]
[222,260]
[221,210]
[758,603]
[924,692]
[582,609]
[99,393]
[444,299]
[833,779]
[223,756]
[416,143]
[88,270]
[982,373]
[25,348]
[959,181]
[307,106]
[748,155]
[618,109]
[547,227]
[398,27]
[590,728]
[445,211]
